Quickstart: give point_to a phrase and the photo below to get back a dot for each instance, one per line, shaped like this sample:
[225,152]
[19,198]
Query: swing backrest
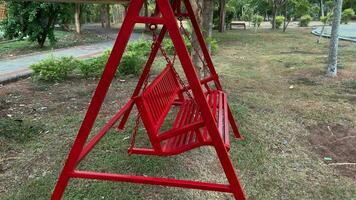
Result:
[156,101]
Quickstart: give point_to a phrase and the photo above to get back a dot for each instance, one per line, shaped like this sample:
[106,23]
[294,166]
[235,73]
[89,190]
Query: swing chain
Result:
[171,63]
[185,32]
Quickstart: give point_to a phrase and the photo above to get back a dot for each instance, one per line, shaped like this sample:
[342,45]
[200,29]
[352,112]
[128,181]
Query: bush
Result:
[213,44]
[168,45]
[140,46]
[257,20]
[132,63]
[347,14]
[279,21]
[54,69]
[94,67]
[305,20]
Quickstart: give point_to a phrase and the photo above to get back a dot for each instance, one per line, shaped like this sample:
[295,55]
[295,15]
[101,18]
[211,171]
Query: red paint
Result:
[202,120]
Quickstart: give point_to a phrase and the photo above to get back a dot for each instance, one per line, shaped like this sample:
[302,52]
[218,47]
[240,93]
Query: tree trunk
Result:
[146,15]
[108,19]
[222,26]
[322,8]
[77,18]
[334,39]
[41,38]
[286,20]
[274,14]
[207,25]
[197,6]
[105,16]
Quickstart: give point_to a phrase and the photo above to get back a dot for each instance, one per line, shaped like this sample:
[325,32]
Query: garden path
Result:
[16,67]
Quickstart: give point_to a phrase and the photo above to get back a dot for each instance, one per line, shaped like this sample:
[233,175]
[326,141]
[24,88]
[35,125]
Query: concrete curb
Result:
[14,76]
[24,73]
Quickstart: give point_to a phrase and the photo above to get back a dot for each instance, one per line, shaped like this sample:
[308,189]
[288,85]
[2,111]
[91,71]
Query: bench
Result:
[188,130]
[243,24]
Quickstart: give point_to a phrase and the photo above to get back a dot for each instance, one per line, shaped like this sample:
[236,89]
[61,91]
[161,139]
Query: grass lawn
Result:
[277,90]
[64,39]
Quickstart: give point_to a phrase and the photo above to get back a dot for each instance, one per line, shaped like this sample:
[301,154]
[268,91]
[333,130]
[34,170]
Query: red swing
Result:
[201,120]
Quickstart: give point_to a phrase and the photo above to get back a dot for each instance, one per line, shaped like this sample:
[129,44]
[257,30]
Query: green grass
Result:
[64,39]
[275,161]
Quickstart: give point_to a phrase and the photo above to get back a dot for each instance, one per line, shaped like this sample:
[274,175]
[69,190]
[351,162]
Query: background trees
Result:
[33,20]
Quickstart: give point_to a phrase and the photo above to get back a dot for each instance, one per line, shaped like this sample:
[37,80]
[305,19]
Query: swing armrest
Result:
[202,82]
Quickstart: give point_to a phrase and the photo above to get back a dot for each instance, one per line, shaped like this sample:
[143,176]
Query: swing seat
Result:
[188,130]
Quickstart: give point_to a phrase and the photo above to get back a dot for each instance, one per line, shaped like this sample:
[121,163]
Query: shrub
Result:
[213,44]
[94,67]
[279,21]
[131,63]
[324,19]
[168,45]
[257,20]
[347,14]
[54,69]
[140,46]
[305,20]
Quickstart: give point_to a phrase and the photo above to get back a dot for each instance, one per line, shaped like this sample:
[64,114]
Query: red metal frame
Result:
[165,14]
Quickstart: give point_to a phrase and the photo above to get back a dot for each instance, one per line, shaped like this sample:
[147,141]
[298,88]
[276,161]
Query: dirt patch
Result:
[336,144]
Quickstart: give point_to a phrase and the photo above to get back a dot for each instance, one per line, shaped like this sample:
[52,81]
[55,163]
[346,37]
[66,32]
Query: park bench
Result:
[243,24]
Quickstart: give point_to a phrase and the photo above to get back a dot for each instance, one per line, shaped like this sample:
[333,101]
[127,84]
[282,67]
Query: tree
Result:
[276,5]
[207,23]
[222,13]
[77,15]
[198,10]
[295,9]
[334,39]
[105,16]
[35,20]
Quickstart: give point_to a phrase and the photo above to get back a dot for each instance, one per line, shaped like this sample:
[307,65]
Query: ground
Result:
[277,89]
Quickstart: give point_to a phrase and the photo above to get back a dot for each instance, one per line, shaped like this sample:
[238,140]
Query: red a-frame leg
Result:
[98,98]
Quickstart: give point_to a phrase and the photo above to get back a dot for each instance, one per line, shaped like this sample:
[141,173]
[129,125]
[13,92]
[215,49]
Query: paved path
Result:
[347,32]
[16,67]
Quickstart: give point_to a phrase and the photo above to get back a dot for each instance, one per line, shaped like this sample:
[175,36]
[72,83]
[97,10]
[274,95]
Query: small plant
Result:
[140,46]
[257,20]
[168,45]
[213,44]
[19,130]
[324,19]
[94,67]
[305,20]
[347,14]
[54,69]
[132,63]
[279,21]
